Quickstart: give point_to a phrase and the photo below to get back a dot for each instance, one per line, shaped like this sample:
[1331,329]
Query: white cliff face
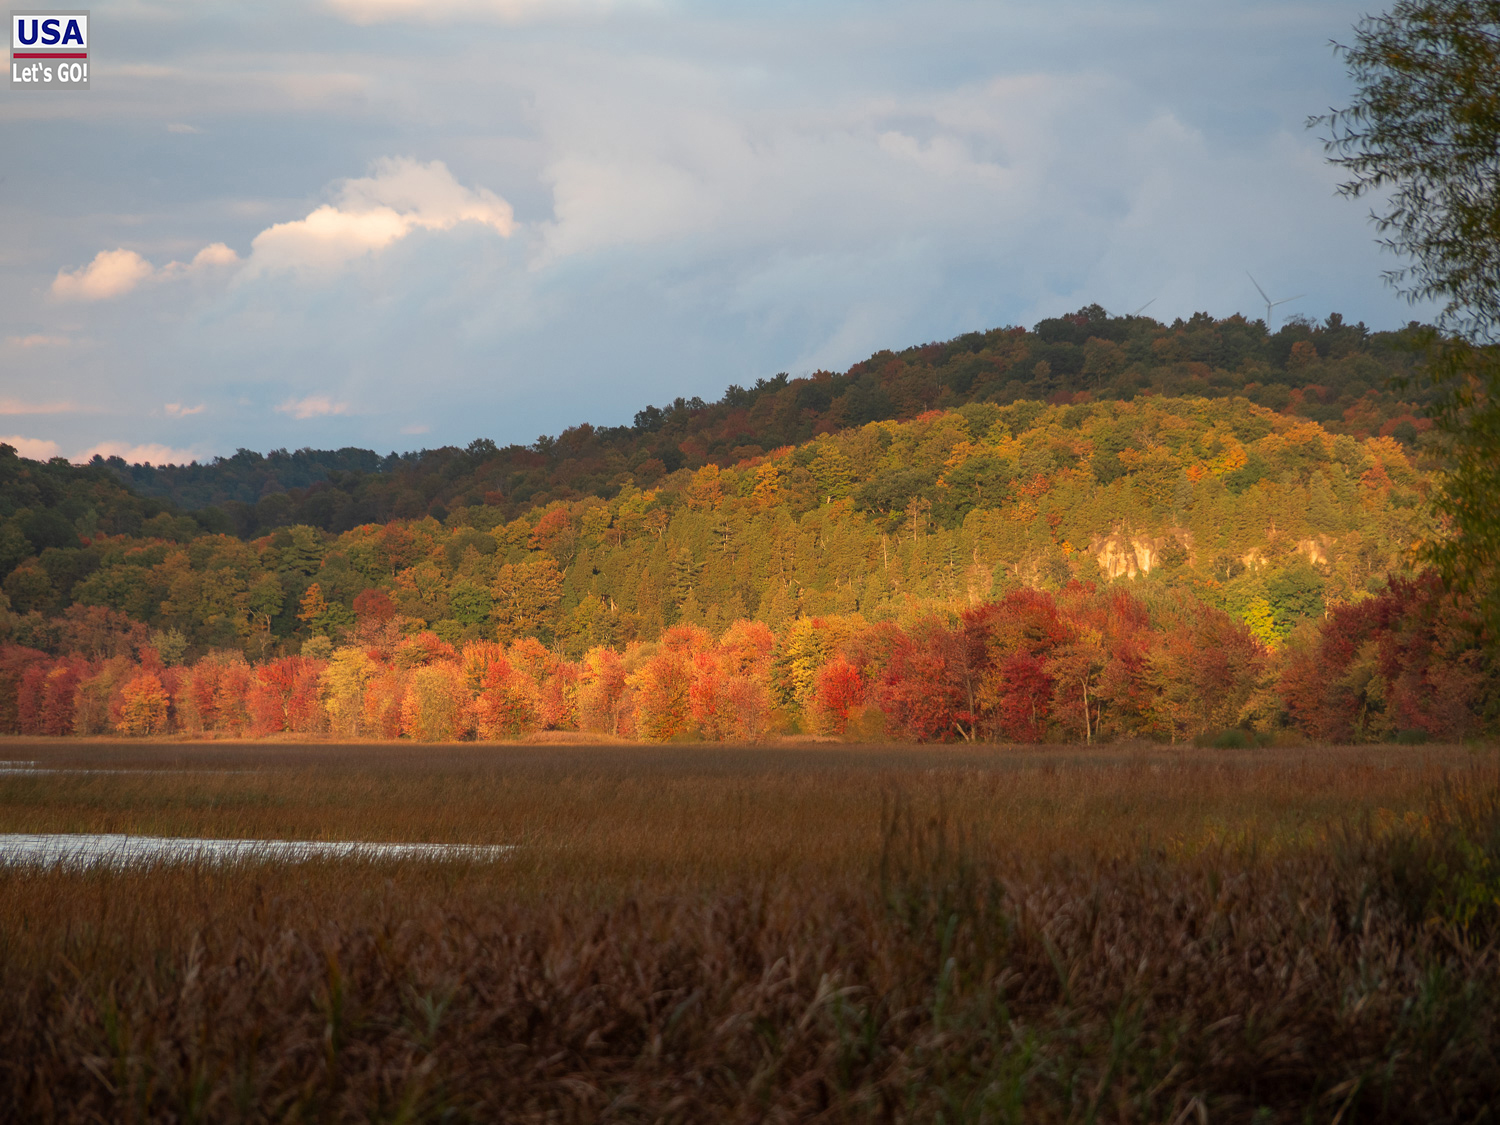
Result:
[1115,559]
[1128,556]
[1315,550]
[1145,555]
[1121,555]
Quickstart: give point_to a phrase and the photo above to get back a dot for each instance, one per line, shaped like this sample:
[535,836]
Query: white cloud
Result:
[177,410]
[183,128]
[16,406]
[136,454]
[113,273]
[33,448]
[110,274]
[416,428]
[37,340]
[313,406]
[634,199]
[214,258]
[372,212]
[214,254]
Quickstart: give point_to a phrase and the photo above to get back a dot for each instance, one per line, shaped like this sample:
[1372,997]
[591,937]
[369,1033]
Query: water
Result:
[34,768]
[116,850]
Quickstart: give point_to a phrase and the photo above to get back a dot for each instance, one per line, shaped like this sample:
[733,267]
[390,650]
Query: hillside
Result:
[1269,516]
[953,542]
[56,505]
[1336,374]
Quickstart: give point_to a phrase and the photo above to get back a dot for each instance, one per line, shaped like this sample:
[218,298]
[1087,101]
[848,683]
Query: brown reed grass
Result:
[763,934]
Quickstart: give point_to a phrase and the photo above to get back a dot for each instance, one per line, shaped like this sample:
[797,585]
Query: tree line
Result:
[1087,663]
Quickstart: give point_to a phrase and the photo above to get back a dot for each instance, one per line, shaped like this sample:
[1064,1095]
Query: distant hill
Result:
[1336,374]
[55,505]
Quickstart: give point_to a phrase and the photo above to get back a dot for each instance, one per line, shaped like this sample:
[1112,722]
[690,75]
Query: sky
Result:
[400,224]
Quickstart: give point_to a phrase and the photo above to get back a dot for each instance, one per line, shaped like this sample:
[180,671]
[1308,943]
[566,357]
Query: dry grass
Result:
[704,812]
[829,933]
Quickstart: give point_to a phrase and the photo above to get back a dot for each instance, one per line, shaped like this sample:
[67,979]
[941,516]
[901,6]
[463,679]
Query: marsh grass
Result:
[694,934]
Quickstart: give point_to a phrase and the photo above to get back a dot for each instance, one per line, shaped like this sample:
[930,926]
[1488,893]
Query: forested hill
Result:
[1269,516]
[1336,374]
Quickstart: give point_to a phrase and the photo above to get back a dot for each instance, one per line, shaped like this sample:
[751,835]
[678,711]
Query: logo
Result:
[49,50]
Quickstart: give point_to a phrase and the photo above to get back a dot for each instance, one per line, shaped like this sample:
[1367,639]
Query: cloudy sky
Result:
[407,223]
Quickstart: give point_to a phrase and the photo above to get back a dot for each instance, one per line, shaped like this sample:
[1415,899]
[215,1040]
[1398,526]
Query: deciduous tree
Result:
[436,704]
[144,706]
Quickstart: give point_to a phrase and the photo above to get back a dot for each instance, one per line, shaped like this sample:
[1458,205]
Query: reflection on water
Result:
[29,768]
[113,850]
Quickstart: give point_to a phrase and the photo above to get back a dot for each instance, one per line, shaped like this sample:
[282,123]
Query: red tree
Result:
[663,705]
[30,692]
[504,707]
[381,715]
[840,689]
[923,691]
[1024,629]
[374,604]
[602,691]
[14,660]
[1411,659]
[284,697]
[58,695]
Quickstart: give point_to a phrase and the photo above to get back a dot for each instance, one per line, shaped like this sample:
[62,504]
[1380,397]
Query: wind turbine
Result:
[1144,307]
[1270,304]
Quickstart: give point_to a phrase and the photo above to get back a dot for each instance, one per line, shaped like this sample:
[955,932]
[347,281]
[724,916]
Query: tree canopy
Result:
[1422,135]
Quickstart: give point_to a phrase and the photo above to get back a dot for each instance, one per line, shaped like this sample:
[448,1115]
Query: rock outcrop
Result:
[1122,555]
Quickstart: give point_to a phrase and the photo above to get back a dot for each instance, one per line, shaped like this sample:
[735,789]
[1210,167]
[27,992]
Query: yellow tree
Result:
[435,706]
[767,485]
[143,706]
[342,686]
[312,606]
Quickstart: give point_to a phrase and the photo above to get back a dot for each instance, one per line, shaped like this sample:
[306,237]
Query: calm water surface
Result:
[114,850]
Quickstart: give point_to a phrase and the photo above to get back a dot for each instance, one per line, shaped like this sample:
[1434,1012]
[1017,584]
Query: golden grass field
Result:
[770,933]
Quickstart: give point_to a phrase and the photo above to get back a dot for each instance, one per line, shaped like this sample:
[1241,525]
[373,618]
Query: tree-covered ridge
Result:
[1333,373]
[1266,515]
[54,504]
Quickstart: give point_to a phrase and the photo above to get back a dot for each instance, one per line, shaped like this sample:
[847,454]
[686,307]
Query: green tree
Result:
[1261,618]
[469,603]
[303,551]
[833,472]
[1294,593]
[525,595]
[170,645]
[1423,136]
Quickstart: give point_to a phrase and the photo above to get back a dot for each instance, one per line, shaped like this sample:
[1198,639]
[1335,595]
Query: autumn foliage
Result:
[1089,664]
[1403,662]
